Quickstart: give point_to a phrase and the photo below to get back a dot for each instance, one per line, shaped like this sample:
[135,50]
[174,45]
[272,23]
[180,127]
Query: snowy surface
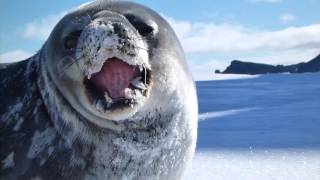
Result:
[218,77]
[256,165]
[263,128]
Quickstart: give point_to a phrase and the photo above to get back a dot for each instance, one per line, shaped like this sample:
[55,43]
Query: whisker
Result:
[67,66]
[89,17]
[137,47]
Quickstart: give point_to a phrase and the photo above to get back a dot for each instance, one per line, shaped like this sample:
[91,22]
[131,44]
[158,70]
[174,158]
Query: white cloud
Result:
[205,71]
[284,46]
[210,37]
[266,1]
[182,28]
[14,56]
[284,57]
[286,18]
[40,29]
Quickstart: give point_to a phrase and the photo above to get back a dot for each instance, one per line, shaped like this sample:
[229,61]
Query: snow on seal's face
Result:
[113,57]
[110,59]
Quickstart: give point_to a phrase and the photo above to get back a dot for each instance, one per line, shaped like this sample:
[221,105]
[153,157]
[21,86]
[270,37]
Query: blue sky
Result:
[212,32]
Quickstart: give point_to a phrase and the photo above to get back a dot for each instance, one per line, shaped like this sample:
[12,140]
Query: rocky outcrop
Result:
[240,67]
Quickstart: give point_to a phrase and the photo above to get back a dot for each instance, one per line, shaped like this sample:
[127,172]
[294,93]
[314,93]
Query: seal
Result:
[108,96]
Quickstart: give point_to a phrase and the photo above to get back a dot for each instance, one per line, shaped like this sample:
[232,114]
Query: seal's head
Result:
[107,59]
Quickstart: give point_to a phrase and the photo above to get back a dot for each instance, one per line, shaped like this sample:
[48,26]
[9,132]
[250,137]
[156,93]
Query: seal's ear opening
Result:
[143,28]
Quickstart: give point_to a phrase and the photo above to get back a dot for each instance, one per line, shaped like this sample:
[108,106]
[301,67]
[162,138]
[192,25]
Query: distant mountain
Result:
[240,67]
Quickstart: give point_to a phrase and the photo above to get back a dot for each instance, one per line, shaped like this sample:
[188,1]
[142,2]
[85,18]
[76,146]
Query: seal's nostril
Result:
[118,28]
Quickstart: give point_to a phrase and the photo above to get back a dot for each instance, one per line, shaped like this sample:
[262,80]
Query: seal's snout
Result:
[104,39]
[113,58]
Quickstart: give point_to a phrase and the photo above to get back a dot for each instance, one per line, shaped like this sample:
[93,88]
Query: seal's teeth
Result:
[107,98]
[141,68]
[138,84]
[137,79]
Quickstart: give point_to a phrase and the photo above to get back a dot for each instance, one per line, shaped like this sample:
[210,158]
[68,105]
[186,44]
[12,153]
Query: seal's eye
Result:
[70,42]
[143,28]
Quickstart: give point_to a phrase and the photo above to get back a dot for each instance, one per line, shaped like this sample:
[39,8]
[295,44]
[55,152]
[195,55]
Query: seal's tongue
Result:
[115,76]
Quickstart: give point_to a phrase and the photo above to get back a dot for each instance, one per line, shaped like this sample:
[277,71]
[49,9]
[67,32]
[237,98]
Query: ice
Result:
[215,114]
[263,128]
[219,77]
[260,165]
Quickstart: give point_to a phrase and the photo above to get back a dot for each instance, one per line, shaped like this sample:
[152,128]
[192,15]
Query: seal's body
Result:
[109,96]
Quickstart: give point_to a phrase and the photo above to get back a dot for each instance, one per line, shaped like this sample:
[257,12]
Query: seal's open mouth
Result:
[114,77]
[118,84]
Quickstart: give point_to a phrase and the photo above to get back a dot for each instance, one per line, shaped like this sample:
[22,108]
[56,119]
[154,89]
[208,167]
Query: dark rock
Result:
[240,67]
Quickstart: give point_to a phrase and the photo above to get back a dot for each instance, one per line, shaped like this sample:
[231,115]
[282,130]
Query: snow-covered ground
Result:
[262,128]
[218,77]
[256,165]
